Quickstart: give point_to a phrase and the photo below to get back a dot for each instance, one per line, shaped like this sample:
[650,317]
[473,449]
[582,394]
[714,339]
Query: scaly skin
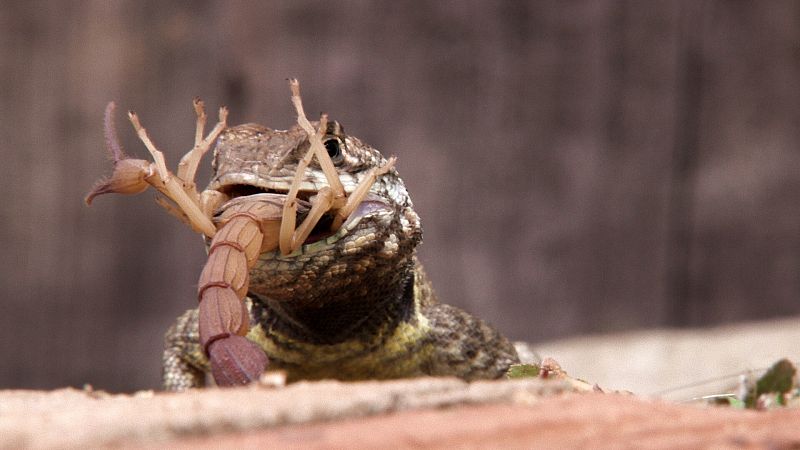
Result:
[353,305]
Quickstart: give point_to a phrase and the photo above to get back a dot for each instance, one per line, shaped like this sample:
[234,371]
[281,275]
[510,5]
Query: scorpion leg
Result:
[169,185]
[315,140]
[328,198]
[131,176]
[187,167]
[340,203]
[359,193]
[291,238]
[173,210]
[200,111]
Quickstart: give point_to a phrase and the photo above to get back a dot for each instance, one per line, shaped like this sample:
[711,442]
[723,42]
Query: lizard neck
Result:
[349,314]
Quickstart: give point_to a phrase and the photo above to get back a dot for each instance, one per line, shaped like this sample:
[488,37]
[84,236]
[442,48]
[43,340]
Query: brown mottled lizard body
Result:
[350,304]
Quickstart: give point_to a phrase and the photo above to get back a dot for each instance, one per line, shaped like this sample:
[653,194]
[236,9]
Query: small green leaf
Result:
[523,371]
[735,402]
[778,380]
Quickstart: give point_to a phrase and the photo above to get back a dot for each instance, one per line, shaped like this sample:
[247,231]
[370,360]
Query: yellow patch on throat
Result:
[402,353]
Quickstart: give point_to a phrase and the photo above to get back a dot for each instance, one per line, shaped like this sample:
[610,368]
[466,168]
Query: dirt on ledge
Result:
[420,413]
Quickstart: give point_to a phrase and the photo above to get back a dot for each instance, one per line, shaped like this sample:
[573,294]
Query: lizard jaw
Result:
[372,205]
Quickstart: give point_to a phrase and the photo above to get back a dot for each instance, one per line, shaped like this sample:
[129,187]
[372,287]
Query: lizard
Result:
[353,304]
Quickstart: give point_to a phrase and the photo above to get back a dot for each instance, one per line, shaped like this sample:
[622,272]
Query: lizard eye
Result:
[334,148]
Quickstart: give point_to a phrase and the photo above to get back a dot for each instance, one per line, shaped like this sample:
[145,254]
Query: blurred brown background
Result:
[579,167]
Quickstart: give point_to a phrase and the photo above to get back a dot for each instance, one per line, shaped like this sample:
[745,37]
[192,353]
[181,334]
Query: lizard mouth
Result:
[372,204]
[321,230]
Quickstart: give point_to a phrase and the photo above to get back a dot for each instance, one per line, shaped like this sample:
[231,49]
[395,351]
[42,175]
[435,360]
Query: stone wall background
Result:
[580,167]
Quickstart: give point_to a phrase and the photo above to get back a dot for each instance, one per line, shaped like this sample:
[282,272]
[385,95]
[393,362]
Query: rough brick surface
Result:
[419,413]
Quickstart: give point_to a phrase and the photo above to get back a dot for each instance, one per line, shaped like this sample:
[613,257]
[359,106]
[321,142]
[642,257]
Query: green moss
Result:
[523,371]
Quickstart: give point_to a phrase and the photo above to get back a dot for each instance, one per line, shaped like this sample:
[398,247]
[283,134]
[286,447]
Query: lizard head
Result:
[364,258]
